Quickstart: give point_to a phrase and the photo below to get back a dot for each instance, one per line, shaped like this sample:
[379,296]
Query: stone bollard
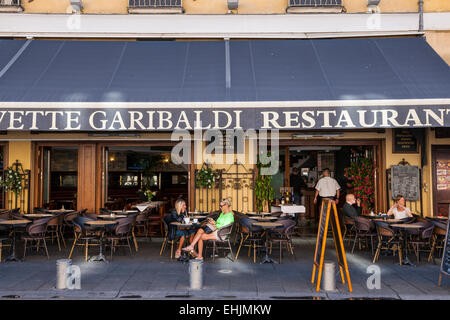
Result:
[329,276]
[61,273]
[196,274]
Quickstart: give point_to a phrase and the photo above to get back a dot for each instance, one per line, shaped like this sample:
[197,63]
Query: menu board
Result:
[405,181]
[443,175]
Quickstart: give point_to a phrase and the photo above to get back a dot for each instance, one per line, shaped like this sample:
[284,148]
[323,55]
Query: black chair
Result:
[54,228]
[438,238]
[251,234]
[84,234]
[35,232]
[169,237]
[349,228]
[387,240]
[422,240]
[283,235]
[105,211]
[223,237]
[67,220]
[364,230]
[122,231]
[142,220]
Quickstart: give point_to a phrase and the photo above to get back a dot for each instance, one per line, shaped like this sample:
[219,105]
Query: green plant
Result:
[360,175]
[264,192]
[206,177]
[150,194]
[12,180]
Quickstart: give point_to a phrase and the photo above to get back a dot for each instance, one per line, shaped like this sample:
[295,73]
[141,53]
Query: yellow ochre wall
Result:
[220,6]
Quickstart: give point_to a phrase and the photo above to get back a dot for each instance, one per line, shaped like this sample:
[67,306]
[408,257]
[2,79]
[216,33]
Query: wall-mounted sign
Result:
[404,142]
[443,175]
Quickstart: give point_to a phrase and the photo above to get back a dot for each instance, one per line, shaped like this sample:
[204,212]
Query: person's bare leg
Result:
[205,236]
[197,237]
[180,245]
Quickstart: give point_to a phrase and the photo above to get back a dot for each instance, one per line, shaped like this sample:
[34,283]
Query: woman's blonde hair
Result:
[178,205]
[227,201]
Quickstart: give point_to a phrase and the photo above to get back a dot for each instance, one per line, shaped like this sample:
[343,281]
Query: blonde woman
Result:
[225,218]
[177,215]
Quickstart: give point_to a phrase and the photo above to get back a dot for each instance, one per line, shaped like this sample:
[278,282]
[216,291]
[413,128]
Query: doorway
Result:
[311,157]
[58,177]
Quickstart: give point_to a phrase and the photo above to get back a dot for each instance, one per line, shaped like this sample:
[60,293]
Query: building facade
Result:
[90,168]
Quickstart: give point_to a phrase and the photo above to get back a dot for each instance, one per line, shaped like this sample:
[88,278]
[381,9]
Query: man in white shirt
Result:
[327,187]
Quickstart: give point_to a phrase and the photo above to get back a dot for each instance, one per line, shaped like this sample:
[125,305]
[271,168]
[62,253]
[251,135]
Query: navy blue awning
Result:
[190,71]
[382,72]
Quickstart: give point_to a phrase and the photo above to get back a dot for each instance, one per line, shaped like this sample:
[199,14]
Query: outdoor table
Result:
[258,213]
[103,224]
[37,215]
[289,209]
[405,227]
[60,211]
[389,221]
[267,226]
[125,211]
[263,219]
[12,224]
[111,217]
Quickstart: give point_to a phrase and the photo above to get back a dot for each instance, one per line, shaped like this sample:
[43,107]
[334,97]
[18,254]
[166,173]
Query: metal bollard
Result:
[329,276]
[196,274]
[61,272]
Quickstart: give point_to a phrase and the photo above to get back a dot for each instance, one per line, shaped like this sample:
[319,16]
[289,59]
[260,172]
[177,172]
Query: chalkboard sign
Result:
[445,264]
[404,142]
[405,181]
[328,215]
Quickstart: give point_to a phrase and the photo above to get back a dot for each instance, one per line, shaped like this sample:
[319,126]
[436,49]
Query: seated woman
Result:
[225,218]
[399,210]
[177,215]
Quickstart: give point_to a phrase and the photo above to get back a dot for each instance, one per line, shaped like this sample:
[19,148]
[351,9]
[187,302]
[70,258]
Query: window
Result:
[155,6]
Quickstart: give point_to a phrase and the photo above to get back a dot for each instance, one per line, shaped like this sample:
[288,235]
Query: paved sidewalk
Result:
[146,275]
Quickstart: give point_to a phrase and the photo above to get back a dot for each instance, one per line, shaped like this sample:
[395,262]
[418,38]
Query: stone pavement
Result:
[147,275]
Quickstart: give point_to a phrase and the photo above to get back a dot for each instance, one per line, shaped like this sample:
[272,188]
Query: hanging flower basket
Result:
[206,177]
[12,181]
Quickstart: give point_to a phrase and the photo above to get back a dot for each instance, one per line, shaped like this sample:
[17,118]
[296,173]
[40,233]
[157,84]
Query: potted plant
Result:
[264,192]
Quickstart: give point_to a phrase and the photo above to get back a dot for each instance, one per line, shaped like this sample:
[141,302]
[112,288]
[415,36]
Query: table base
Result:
[407,262]
[14,258]
[100,257]
[268,259]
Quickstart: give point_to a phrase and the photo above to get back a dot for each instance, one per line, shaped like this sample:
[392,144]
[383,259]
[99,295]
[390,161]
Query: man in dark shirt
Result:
[349,209]
[296,182]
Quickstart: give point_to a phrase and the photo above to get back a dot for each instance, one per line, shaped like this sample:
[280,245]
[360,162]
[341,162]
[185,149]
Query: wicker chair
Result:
[84,236]
[223,237]
[349,228]
[142,220]
[364,230]
[438,236]
[251,237]
[67,219]
[423,239]
[122,231]
[167,239]
[54,228]
[387,240]
[283,235]
[35,232]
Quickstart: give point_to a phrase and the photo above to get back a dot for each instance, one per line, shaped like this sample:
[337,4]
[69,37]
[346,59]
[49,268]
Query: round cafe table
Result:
[111,217]
[262,214]
[104,224]
[124,211]
[12,224]
[263,219]
[404,227]
[37,215]
[267,226]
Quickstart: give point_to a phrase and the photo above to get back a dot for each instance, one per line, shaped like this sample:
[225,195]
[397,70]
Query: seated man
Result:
[349,209]
[225,218]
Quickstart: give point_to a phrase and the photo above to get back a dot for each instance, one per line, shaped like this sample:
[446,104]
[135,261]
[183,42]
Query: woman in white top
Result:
[399,210]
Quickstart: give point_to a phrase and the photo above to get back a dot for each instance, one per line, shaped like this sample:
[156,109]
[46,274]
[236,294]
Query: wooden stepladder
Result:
[327,205]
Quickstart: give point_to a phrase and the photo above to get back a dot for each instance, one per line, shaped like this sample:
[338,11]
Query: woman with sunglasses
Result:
[225,218]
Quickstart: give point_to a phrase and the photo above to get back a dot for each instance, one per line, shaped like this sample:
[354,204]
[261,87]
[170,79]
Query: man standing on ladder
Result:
[327,187]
